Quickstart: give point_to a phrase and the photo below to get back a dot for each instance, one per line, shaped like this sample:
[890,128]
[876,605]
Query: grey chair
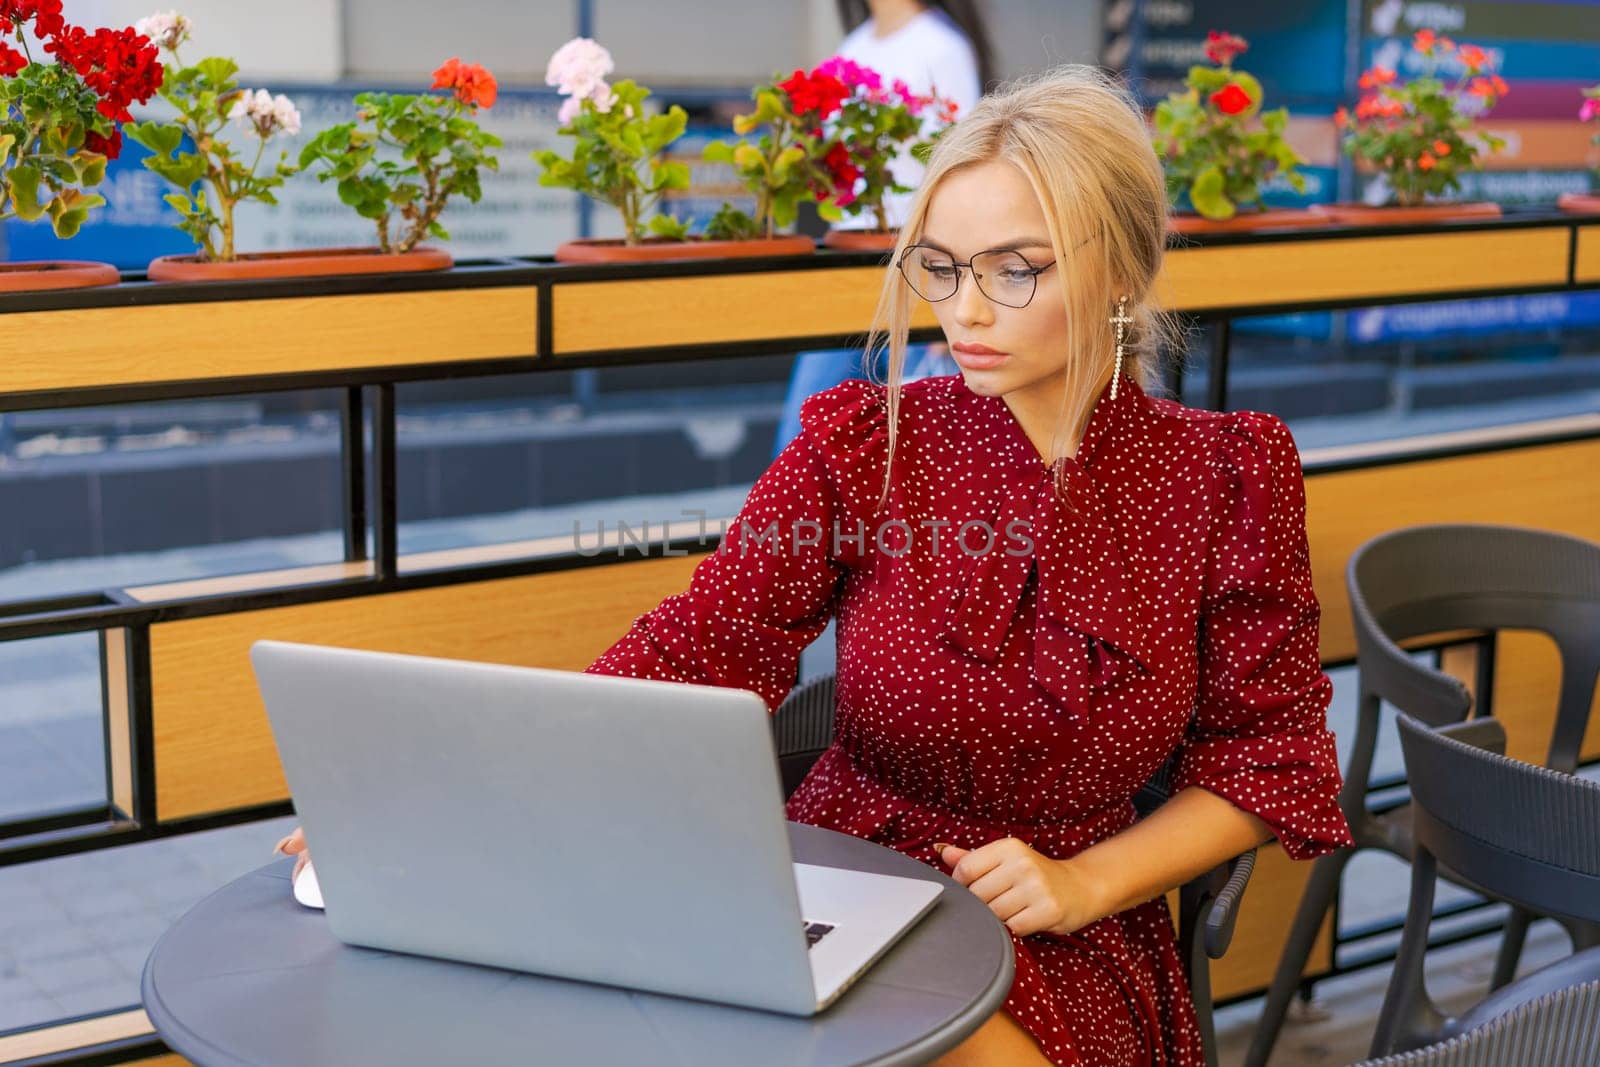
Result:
[1437,579]
[1508,829]
[1208,906]
[1559,1028]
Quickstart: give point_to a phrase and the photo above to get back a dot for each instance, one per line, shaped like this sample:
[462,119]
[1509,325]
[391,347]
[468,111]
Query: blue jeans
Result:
[815,372]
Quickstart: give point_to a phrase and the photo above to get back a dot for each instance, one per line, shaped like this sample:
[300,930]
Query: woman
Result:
[1046,583]
[1146,587]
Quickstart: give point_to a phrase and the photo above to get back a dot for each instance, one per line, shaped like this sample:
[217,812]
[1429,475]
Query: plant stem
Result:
[432,205]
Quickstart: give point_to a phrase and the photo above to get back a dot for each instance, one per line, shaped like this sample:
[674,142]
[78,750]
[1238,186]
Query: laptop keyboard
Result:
[816,932]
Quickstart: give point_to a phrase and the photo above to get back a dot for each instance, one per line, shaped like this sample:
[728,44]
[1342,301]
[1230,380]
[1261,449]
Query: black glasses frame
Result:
[976,277]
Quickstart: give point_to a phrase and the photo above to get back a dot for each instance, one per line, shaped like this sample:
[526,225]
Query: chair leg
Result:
[1200,988]
[1409,1018]
[1511,942]
[1324,882]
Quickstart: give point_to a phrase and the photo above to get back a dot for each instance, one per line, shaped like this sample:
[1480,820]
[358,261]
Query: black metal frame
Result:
[368,409]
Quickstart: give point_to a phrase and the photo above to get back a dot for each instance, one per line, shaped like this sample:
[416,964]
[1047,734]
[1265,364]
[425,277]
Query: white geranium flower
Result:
[579,68]
[166,29]
[265,114]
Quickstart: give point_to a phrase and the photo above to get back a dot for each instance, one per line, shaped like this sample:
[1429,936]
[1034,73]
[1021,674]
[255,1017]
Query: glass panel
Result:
[1404,370]
[131,494]
[52,741]
[76,930]
[491,460]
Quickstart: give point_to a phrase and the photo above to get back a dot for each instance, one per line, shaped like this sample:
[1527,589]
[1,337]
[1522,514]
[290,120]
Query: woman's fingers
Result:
[299,865]
[292,845]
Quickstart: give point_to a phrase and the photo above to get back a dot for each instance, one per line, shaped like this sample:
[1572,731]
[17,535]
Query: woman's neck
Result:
[1038,412]
[889,16]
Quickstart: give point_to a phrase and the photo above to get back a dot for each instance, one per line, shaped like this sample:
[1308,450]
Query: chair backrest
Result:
[1433,579]
[1522,833]
[1561,1029]
[802,729]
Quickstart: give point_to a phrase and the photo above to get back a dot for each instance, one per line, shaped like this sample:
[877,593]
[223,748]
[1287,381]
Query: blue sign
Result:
[134,227]
[1469,318]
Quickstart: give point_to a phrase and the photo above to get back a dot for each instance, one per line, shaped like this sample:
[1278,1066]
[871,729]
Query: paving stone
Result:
[117,994]
[64,974]
[29,1011]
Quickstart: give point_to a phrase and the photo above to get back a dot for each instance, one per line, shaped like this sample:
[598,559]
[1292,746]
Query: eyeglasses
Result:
[1004,276]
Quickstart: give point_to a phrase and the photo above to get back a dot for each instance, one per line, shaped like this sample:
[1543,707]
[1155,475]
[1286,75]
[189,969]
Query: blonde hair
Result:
[1079,139]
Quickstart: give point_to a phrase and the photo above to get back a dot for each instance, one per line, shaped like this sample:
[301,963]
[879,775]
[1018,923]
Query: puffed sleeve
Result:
[1259,736]
[770,588]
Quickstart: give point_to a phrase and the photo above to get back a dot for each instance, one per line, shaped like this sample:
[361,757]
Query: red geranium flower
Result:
[1493,85]
[472,84]
[119,65]
[1221,48]
[1231,99]
[110,147]
[1375,77]
[45,15]
[821,94]
[11,60]
[1474,57]
[1378,107]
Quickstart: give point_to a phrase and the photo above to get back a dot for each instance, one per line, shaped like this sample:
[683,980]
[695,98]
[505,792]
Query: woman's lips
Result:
[972,356]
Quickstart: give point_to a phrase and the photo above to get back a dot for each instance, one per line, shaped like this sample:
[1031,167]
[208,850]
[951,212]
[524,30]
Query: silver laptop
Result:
[612,830]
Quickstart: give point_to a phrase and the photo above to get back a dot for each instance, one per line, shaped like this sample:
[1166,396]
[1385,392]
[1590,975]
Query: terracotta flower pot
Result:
[1397,215]
[862,240]
[612,250]
[1245,221]
[307,263]
[1579,203]
[36,275]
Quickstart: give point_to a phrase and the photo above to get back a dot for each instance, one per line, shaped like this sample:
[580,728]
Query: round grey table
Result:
[248,976]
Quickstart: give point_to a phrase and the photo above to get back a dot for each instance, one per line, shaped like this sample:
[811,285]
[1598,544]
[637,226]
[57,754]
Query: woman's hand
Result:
[295,845]
[1028,891]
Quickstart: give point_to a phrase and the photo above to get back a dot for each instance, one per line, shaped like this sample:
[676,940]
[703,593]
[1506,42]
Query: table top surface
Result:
[248,976]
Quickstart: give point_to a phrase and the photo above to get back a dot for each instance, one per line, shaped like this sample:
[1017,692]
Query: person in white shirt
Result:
[923,45]
[933,46]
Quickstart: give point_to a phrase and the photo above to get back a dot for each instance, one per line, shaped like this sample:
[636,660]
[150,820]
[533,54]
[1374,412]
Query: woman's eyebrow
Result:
[1012,245]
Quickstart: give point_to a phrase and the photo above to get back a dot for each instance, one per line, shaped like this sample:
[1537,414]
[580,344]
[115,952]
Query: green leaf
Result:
[24,188]
[91,168]
[183,171]
[218,71]
[786,161]
[70,210]
[748,157]
[1207,80]
[7,141]
[1207,196]
[667,226]
[717,152]
[670,176]
[159,137]
[180,203]
[731,224]
[662,130]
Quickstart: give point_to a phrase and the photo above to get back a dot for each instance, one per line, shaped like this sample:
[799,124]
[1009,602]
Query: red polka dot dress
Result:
[1017,662]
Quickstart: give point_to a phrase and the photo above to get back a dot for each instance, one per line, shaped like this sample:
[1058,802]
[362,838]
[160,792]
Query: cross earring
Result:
[1122,322]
